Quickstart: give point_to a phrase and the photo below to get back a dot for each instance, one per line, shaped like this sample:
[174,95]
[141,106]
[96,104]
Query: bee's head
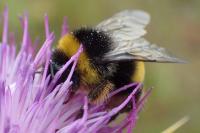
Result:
[75,77]
[58,60]
[66,48]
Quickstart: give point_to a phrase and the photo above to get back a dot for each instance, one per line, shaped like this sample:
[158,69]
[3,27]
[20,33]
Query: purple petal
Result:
[46,24]
[65,28]
[5,26]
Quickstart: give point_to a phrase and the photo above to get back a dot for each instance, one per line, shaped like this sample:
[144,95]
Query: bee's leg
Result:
[100,93]
[51,69]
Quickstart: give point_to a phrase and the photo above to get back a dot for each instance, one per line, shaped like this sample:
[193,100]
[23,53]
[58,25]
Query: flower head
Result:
[29,103]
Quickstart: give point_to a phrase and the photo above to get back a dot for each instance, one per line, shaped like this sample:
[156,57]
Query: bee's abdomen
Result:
[123,74]
[128,72]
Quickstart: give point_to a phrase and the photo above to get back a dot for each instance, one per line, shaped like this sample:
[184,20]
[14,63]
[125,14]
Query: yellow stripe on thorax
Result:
[70,45]
[139,73]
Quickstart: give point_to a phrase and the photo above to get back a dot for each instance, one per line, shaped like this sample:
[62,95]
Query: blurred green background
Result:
[175,24]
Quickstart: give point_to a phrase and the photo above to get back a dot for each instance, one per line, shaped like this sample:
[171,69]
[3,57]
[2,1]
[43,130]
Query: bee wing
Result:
[127,24]
[126,29]
[141,50]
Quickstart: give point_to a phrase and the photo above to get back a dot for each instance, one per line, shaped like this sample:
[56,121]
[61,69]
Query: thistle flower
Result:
[27,103]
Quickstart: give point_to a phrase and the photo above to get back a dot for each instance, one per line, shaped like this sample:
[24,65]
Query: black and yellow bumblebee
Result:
[113,55]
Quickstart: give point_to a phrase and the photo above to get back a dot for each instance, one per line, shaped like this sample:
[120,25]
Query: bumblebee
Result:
[113,55]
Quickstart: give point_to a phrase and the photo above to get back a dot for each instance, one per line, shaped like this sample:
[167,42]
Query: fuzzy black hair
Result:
[95,42]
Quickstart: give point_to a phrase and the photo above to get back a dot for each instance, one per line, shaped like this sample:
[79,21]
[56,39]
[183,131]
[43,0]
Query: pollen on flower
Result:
[30,104]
